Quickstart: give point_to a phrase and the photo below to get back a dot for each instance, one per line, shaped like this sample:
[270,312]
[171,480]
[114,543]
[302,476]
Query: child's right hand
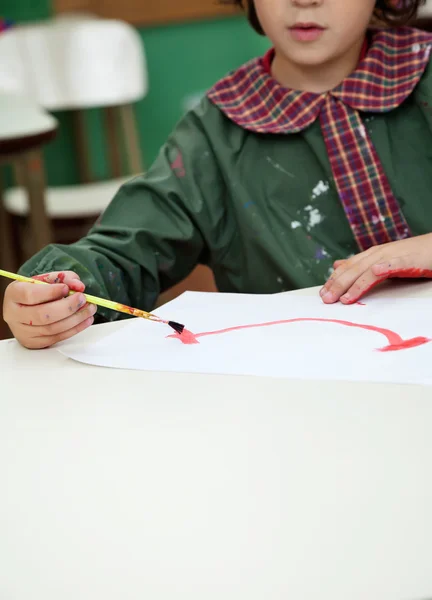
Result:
[42,315]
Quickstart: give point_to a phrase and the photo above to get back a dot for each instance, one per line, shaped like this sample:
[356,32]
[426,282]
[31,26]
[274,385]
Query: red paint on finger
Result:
[395,341]
[45,278]
[348,299]
[412,273]
[77,286]
[31,323]
[60,278]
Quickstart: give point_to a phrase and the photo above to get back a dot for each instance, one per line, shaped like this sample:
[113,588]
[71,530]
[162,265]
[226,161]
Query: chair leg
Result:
[113,145]
[33,176]
[132,145]
[82,147]
[7,254]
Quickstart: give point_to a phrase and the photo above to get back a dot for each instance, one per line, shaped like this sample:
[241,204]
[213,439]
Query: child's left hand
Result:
[354,277]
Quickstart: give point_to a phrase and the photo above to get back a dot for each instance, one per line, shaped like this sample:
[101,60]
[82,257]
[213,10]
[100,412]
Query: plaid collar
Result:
[384,78]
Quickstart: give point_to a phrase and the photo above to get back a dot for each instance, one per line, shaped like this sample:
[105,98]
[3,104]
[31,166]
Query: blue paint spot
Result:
[320,254]
[248,204]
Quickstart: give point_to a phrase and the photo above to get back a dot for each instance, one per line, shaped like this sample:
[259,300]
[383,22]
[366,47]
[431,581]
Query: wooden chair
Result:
[24,129]
[75,64]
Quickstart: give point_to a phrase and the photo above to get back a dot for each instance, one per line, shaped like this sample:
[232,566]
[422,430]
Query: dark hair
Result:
[388,12]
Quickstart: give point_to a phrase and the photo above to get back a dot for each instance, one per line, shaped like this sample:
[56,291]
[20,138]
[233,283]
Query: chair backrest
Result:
[21,117]
[67,64]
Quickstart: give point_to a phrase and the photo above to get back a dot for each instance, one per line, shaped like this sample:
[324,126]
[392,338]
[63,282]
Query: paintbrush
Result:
[123,308]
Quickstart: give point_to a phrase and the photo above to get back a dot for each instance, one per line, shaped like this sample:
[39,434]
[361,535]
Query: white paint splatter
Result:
[322,187]
[295,224]
[279,280]
[278,167]
[416,48]
[315,217]
[378,219]
[362,130]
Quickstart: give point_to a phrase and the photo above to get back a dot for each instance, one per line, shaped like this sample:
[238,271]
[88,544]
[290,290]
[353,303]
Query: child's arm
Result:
[155,231]
[353,278]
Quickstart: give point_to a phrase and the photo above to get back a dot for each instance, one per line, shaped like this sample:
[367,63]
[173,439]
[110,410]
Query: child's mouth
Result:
[306,32]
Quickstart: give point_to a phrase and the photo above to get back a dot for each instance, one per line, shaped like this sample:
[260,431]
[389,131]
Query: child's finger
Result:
[58,327]
[356,258]
[339,263]
[70,278]
[342,281]
[407,266]
[48,341]
[340,267]
[31,294]
[360,287]
[49,312]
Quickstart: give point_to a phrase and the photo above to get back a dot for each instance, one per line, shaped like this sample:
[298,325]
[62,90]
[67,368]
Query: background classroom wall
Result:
[183,61]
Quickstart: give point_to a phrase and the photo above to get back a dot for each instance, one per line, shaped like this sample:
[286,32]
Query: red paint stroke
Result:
[361,303]
[395,341]
[187,337]
[31,323]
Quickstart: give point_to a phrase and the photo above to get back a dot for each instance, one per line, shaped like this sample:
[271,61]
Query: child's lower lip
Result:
[309,34]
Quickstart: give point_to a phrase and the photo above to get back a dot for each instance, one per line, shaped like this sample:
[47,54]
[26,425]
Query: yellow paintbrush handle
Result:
[18,277]
[91,299]
[128,310]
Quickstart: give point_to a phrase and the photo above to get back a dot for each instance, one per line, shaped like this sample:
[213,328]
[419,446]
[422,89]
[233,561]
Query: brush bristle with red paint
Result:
[176,326]
[136,312]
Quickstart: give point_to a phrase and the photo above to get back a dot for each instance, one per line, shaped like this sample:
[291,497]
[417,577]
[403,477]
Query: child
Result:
[272,178]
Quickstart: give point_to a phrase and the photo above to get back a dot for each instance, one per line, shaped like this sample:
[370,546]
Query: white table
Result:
[134,485]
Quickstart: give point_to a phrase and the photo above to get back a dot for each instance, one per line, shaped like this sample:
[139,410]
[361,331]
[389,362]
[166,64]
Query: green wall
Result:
[183,60]
[25,10]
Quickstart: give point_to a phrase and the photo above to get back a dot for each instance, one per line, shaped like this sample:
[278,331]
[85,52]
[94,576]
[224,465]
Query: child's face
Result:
[313,32]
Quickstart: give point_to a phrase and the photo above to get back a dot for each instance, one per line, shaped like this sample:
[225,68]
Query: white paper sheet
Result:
[302,349]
